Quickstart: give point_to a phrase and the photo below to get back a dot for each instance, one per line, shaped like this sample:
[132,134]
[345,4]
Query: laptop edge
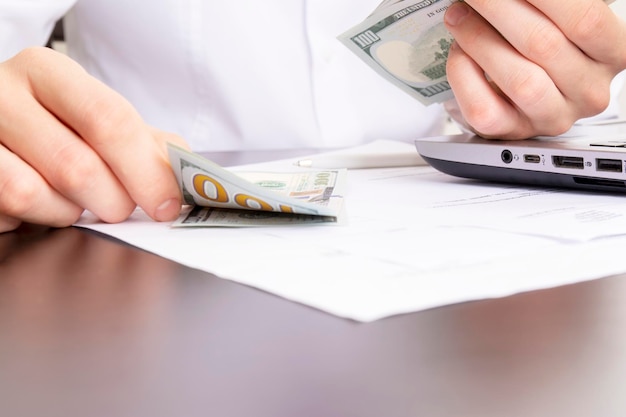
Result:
[578,163]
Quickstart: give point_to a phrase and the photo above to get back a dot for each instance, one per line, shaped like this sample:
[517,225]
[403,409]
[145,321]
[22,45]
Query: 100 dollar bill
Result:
[234,198]
[407,43]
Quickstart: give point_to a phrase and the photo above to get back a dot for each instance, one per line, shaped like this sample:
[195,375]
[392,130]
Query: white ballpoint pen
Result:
[361,161]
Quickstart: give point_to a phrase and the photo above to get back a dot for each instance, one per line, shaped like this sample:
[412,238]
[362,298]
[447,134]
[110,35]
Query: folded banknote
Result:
[220,197]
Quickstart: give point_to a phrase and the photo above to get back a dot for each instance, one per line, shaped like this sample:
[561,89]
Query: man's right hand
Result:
[70,143]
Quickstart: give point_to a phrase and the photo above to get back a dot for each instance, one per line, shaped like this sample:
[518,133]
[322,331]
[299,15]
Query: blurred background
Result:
[619,7]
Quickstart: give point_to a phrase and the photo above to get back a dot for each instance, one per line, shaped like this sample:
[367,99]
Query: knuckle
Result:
[33,58]
[595,99]
[555,126]
[81,176]
[19,196]
[32,54]
[21,200]
[108,117]
[527,87]
[544,42]
[481,118]
[76,170]
[586,24]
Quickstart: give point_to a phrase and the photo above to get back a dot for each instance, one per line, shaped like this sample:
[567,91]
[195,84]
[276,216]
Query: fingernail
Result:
[167,211]
[456,13]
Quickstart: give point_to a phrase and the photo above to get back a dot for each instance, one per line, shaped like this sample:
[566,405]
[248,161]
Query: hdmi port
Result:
[533,159]
[568,162]
[612,165]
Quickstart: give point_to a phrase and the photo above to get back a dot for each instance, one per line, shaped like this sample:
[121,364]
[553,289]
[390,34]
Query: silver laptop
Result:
[590,163]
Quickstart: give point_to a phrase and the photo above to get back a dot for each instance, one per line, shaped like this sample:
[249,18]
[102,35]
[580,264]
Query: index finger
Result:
[115,130]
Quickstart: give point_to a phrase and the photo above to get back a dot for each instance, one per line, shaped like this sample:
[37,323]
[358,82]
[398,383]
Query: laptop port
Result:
[611,165]
[599,182]
[507,156]
[575,162]
[532,159]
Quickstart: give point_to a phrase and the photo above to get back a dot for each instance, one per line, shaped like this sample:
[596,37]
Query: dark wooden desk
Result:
[90,327]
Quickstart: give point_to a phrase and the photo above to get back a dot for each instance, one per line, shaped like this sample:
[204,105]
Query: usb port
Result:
[568,162]
[612,165]
[532,159]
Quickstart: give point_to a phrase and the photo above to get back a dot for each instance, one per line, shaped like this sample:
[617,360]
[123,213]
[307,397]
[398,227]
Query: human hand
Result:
[523,68]
[69,143]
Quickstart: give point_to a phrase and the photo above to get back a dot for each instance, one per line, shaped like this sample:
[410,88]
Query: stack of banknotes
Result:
[407,43]
[216,196]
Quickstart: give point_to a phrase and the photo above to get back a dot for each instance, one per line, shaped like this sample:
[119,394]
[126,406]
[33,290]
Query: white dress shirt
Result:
[231,74]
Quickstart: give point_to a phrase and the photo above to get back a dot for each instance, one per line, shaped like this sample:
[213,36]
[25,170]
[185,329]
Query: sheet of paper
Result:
[414,239]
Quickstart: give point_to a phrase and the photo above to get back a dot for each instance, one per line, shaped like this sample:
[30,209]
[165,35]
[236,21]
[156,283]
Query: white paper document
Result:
[414,239]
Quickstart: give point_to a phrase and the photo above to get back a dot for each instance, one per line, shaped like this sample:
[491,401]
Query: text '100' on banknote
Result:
[407,43]
[220,197]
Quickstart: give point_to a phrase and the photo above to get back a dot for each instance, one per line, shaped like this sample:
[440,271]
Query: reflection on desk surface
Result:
[93,327]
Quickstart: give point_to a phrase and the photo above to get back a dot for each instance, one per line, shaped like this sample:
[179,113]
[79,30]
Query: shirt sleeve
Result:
[25,23]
